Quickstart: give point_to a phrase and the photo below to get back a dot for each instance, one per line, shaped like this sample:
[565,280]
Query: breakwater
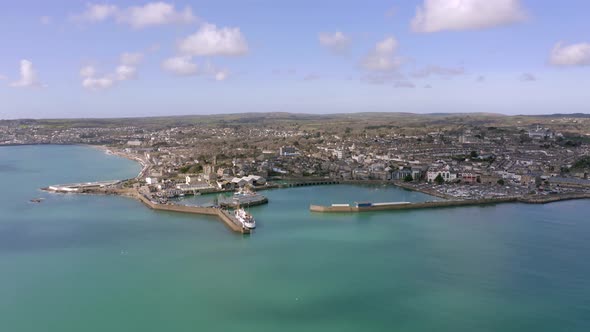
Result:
[344,208]
[230,221]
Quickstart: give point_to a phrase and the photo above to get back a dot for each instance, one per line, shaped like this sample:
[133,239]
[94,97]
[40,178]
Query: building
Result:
[288,151]
[469,178]
[134,143]
[541,133]
[445,172]
[252,180]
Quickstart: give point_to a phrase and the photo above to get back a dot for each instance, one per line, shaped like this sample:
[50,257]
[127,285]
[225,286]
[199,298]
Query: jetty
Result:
[223,215]
[391,206]
[305,183]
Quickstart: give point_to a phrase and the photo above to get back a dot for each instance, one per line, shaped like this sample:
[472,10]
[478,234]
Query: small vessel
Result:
[245,218]
[37,200]
[244,191]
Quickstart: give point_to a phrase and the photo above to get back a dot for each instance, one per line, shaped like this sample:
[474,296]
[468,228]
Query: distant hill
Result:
[561,115]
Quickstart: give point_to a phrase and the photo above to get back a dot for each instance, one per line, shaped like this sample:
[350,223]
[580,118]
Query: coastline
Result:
[119,153]
[447,200]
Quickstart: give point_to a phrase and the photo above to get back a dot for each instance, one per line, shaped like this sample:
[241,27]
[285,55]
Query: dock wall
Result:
[449,203]
[224,216]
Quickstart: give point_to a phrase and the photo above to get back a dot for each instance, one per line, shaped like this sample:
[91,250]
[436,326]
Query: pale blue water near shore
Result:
[93,263]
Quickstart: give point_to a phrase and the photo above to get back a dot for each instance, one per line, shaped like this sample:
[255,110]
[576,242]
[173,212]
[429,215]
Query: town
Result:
[461,156]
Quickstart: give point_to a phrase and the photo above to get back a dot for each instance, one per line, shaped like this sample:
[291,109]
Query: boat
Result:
[242,192]
[36,200]
[245,218]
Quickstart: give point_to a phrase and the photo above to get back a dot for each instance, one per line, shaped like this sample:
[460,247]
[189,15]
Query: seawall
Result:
[224,216]
[448,203]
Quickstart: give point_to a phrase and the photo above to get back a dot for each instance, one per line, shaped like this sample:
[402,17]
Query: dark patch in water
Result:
[8,168]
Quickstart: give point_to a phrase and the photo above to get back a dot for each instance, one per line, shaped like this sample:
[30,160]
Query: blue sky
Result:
[67,58]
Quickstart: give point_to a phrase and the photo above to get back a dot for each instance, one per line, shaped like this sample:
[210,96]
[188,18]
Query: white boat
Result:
[245,218]
[244,192]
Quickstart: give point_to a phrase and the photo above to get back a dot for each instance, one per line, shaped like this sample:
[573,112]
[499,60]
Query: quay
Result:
[79,187]
[227,218]
[245,201]
[307,183]
[98,189]
[369,207]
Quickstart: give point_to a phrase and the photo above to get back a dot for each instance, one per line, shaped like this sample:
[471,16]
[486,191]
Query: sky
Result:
[72,59]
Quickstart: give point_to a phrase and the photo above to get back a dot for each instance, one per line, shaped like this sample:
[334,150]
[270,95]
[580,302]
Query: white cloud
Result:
[570,55]
[150,14]
[211,41]
[155,13]
[386,46]
[184,66]
[442,72]
[2,77]
[439,15]
[97,13]
[28,76]
[336,42]
[131,59]
[92,83]
[181,65]
[88,71]
[126,70]
[218,74]
[527,77]
[222,75]
[382,57]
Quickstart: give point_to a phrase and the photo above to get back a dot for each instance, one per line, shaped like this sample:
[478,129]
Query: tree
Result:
[473,154]
[501,182]
[439,179]
[408,178]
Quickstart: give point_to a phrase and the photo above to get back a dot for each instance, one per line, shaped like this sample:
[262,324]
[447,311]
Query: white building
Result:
[134,143]
[253,180]
[151,180]
[445,172]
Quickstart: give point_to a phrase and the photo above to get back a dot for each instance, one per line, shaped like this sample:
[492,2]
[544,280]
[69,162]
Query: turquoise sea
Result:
[96,263]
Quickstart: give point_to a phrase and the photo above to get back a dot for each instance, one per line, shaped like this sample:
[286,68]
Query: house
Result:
[134,143]
[288,151]
[151,180]
[401,173]
[469,178]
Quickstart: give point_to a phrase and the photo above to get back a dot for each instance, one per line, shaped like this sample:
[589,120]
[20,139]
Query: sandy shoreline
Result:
[118,153]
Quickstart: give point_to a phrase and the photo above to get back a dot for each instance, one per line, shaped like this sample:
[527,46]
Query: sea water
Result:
[107,263]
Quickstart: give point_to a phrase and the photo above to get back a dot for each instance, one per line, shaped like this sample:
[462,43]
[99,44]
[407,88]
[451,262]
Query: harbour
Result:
[223,215]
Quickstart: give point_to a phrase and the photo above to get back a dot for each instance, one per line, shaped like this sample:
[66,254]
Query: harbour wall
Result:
[224,216]
[443,204]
